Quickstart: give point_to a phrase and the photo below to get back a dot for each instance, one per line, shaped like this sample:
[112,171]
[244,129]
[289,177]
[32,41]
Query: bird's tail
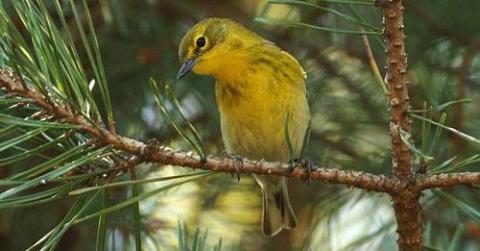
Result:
[277,210]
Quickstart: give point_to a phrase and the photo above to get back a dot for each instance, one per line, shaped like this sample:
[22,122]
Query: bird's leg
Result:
[152,145]
[304,164]
[308,165]
[237,162]
[153,142]
[292,166]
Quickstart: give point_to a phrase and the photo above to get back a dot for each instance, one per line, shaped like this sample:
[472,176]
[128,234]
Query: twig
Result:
[446,180]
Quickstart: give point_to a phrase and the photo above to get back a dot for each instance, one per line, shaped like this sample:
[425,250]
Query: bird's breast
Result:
[253,119]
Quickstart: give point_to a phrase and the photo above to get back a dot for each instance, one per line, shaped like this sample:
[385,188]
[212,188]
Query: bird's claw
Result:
[292,166]
[237,163]
[154,142]
[310,167]
[305,164]
[151,146]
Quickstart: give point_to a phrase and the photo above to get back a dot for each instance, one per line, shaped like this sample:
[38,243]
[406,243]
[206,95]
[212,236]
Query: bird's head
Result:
[213,45]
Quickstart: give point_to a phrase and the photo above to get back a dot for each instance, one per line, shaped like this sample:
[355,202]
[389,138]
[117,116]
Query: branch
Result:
[13,86]
[406,204]
[445,180]
[150,152]
[396,79]
[371,182]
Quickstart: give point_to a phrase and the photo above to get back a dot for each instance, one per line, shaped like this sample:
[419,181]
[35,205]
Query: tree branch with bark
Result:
[153,152]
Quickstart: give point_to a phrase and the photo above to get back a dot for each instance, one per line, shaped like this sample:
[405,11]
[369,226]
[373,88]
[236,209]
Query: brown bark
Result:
[409,223]
[446,180]
[406,205]
[396,79]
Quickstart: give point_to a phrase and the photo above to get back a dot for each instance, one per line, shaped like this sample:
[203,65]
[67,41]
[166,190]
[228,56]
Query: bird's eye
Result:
[201,42]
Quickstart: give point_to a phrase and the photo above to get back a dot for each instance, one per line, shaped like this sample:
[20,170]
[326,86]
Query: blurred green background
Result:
[139,40]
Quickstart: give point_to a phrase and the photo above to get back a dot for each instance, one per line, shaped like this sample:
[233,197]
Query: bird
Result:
[261,94]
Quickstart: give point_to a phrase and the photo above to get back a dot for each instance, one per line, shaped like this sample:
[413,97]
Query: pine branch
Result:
[153,153]
[406,204]
[13,86]
[446,180]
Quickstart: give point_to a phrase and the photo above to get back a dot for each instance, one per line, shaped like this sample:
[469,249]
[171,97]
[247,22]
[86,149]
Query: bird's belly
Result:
[253,118]
[254,137]
[259,133]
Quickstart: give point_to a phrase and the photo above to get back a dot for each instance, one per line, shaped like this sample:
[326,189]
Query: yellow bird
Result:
[261,94]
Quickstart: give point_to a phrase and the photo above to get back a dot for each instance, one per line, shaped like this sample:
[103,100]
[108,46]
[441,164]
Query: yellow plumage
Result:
[258,87]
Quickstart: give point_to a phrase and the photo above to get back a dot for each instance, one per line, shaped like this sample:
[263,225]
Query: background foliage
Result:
[138,40]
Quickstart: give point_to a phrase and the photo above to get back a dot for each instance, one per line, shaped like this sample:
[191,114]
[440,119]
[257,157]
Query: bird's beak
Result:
[186,68]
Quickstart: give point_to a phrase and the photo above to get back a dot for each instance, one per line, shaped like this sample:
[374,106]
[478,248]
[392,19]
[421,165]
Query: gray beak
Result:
[186,68]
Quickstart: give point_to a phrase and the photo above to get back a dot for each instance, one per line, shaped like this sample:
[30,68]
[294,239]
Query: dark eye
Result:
[201,42]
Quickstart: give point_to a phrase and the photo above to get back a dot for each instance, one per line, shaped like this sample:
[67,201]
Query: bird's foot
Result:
[152,146]
[154,142]
[305,164]
[293,164]
[237,163]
